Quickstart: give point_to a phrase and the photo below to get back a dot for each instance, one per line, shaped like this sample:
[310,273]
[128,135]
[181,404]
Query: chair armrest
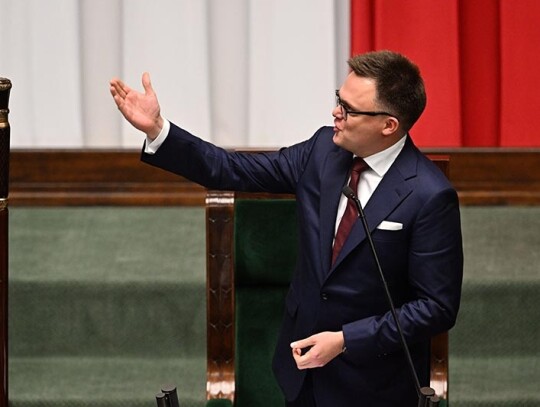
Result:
[439,366]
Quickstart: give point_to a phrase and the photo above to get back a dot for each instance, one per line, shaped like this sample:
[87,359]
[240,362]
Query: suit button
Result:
[324,296]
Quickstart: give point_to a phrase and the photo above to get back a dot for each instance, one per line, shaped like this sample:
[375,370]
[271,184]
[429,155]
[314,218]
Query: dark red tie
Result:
[351,214]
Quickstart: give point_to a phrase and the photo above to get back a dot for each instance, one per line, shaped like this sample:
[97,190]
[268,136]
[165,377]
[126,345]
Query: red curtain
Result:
[479,60]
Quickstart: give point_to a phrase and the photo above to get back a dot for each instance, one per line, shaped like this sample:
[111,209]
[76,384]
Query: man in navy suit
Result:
[338,344]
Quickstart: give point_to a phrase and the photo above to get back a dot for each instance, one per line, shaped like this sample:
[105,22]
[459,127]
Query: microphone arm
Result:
[426,395]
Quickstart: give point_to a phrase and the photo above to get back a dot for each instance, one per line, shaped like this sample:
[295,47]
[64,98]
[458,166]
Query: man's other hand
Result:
[323,347]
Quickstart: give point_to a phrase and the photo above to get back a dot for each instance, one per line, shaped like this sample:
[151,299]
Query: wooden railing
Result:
[5,87]
[117,177]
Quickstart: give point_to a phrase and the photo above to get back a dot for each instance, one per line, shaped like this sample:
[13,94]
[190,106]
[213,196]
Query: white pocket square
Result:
[387,225]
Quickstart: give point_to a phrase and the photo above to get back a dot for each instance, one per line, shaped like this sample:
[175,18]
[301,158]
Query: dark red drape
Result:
[478,58]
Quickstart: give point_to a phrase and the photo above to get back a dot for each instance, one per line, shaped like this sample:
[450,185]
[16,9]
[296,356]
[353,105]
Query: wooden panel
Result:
[495,176]
[109,177]
[220,316]
[95,177]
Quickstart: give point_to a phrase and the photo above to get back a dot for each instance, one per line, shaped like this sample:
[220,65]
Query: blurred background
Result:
[263,72]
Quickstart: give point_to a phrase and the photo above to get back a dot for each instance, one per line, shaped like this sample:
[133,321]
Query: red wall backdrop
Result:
[480,60]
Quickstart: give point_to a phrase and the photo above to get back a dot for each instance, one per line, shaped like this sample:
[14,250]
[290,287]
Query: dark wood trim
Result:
[220,295]
[5,135]
[117,177]
[495,176]
[95,177]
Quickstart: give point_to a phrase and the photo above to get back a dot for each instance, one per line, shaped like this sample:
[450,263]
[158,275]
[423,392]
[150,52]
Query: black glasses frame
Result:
[345,111]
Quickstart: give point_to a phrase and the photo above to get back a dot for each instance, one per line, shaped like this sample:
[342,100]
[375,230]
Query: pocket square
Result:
[387,225]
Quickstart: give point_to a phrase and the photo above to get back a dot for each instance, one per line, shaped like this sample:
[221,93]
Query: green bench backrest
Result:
[265,245]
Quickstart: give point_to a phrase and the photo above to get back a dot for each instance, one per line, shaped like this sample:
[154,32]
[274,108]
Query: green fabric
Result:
[486,381]
[495,345]
[498,319]
[108,304]
[103,381]
[100,319]
[258,317]
[265,254]
[107,245]
[501,244]
[219,403]
[265,241]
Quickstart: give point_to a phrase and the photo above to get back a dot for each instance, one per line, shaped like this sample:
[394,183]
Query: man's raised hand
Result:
[140,109]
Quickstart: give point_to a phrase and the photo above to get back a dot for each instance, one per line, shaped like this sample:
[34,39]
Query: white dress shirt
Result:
[379,164]
[152,146]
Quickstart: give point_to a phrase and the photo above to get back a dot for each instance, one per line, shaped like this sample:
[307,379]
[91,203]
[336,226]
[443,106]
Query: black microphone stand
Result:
[168,397]
[426,395]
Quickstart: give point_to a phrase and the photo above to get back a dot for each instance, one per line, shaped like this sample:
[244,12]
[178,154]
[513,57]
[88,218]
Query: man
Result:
[338,344]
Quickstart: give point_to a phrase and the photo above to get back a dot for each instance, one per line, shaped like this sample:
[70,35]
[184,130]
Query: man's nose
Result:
[337,112]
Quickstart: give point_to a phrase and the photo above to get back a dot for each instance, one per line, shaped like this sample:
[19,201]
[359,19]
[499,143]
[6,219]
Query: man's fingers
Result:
[317,350]
[301,360]
[119,88]
[307,360]
[147,83]
[303,343]
[116,97]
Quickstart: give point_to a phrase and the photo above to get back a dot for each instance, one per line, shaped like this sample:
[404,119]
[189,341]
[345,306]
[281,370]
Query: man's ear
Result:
[391,126]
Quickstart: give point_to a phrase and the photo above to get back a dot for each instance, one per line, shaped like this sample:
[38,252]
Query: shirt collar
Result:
[380,162]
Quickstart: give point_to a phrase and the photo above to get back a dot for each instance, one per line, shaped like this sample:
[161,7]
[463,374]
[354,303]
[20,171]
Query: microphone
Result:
[426,395]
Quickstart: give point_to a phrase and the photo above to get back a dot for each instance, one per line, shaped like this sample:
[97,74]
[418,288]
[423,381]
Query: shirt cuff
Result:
[151,146]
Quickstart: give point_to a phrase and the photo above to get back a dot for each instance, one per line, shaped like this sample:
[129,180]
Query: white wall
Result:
[236,72]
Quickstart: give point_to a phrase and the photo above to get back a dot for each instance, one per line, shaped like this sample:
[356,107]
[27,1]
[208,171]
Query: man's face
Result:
[359,134]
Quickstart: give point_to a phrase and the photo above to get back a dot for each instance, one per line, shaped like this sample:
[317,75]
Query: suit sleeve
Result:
[435,270]
[216,168]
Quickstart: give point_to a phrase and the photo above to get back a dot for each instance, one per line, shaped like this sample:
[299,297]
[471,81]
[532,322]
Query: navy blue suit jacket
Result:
[422,262]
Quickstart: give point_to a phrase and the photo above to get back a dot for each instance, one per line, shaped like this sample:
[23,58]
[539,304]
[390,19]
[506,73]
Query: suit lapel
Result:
[392,190]
[335,174]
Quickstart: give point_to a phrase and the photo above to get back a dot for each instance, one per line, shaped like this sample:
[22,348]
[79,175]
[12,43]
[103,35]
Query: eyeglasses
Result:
[345,111]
